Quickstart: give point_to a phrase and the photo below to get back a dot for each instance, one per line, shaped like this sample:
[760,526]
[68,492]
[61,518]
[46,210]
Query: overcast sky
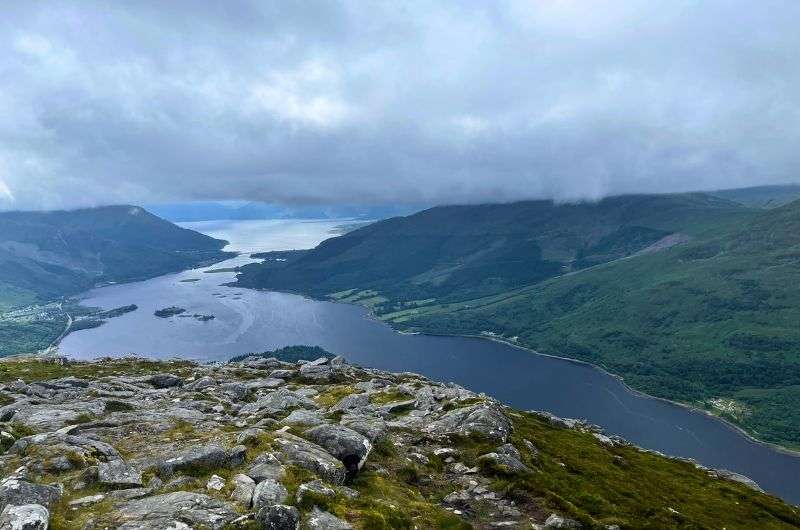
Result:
[305,102]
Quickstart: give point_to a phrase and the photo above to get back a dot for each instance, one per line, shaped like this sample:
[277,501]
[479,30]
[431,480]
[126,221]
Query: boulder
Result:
[320,520]
[303,417]
[302,453]
[278,517]
[279,401]
[163,381]
[243,490]
[374,428]
[181,509]
[316,372]
[504,462]
[200,384]
[15,491]
[25,517]
[200,457]
[265,466]
[118,474]
[353,401]
[559,522]
[349,446]
[486,419]
[267,493]
[316,488]
[215,483]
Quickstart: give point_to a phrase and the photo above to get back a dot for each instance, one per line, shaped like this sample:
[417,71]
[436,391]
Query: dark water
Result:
[249,321]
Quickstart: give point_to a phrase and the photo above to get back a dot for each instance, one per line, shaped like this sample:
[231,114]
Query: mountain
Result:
[711,321]
[761,196]
[45,255]
[454,253]
[134,443]
[209,210]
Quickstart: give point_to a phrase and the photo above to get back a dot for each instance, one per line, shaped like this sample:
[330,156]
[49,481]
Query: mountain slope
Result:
[449,459]
[713,322]
[761,196]
[44,255]
[460,252]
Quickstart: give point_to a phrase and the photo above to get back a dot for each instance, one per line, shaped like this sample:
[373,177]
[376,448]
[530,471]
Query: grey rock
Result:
[237,390]
[250,435]
[243,490]
[374,428]
[173,509]
[349,446]
[281,400]
[278,517]
[198,457]
[86,501]
[267,493]
[236,456]
[353,401]
[200,384]
[315,487]
[215,483]
[559,522]
[265,466]
[51,417]
[484,418]
[505,462]
[320,520]
[316,372]
[302,453]
[164,380]
[118,474]
[281,374]
[303,417]
[25,517]
[17,492]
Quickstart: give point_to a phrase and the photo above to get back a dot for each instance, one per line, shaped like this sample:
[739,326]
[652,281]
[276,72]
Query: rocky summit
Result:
[321,444]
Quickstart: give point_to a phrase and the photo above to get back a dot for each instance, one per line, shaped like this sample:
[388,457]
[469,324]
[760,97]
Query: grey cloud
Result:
[315,102]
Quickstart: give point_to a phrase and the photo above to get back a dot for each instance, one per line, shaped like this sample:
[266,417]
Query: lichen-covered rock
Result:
[315,487]
[164,380]
[243,490]
[174,509]
[200,457]
[15,491]
[556,521]
[118,474]
[265,466]
[278,517]
[279,401]
[349,446]
[353,401]
[486,419]
[302,453]
[303,417]
[25,517]
[57,452]
[320,520]
[372,427]
[269,492]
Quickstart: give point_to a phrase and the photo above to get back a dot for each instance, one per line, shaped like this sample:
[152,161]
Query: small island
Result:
[169,312]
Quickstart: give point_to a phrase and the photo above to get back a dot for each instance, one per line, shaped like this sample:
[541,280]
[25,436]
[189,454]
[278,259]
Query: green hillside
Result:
[45,256]
[459,252]
[761,196]
[712,321]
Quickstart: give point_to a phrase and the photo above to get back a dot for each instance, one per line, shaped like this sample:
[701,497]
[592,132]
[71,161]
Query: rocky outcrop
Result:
[180,509]
[270,445]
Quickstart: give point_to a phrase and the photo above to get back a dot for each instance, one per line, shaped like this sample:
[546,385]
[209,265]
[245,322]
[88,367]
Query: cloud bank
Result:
[397,101]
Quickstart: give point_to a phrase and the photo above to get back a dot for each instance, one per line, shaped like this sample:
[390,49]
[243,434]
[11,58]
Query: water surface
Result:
[248,321]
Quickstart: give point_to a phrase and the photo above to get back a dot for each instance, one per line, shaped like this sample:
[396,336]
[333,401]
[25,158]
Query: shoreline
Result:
[370,314]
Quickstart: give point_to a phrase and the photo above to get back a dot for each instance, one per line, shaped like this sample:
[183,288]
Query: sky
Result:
[312,102]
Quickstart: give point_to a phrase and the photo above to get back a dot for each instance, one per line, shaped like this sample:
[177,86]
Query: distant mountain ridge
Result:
[761,196]
[461,252]
[44,255]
